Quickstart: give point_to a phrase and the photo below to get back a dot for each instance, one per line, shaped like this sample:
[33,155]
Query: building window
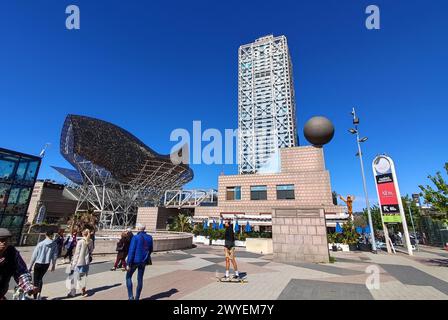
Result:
[285,192]
[258,193]
[233,193]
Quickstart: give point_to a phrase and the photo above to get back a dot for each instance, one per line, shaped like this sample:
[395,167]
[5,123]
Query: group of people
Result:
[44,258]
[136,248]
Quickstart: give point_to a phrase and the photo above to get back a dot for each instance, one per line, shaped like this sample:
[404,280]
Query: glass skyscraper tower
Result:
[266,104]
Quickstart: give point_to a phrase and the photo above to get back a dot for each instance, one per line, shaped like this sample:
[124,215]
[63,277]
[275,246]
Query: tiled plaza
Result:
[191,274]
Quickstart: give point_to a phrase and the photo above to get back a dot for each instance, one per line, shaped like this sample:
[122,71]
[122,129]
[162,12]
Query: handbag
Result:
[148,260]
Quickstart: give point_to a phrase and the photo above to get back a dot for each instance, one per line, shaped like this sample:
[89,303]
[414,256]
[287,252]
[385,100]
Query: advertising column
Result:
[389,198]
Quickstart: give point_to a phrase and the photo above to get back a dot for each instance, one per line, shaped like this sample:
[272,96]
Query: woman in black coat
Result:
[122,252]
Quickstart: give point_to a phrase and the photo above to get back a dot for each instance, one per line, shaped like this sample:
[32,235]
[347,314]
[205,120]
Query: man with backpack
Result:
[139,257]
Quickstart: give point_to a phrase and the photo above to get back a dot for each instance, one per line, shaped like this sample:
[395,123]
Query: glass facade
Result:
[18,173]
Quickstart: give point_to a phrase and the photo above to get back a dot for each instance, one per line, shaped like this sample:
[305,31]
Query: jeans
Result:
[39,273]
[141,270]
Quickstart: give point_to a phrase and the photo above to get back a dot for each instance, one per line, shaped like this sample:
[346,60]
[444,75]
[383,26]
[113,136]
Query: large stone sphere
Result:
[318,130]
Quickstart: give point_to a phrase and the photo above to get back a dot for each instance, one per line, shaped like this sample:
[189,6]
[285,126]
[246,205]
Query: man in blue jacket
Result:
[139,257]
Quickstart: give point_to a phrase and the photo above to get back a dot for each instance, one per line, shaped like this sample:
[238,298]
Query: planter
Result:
[338,247]
[200,239]
[218,242]
[365,247]
[259,245]
[240,243]
[353,246]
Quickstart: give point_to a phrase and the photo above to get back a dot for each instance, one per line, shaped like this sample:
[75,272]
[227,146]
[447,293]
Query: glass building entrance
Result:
[18,173]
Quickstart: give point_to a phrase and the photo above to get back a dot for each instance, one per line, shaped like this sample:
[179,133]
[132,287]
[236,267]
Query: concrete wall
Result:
[161,241]
[299,235]
[148,217]
[58,203]
[155,217]
[207,211]
[259,245]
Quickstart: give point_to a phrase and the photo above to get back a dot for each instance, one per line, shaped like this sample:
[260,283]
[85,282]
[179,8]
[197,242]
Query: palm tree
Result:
[182,223]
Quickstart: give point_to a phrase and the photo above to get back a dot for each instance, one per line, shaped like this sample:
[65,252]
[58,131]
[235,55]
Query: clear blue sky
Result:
[153,66]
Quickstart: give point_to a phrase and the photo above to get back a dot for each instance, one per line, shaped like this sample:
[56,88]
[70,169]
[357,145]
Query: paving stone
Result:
[326,268]
[299,289]
[412,276]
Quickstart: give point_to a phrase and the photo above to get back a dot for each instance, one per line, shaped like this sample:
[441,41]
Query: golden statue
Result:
[349,203]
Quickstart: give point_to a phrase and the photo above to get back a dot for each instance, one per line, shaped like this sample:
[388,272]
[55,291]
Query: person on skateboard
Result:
[229,250]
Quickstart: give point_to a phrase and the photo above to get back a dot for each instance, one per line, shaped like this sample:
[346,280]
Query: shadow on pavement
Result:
[438,262]
[162,295]
[91,292]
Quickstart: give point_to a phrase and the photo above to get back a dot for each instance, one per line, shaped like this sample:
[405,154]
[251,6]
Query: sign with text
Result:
[388,197]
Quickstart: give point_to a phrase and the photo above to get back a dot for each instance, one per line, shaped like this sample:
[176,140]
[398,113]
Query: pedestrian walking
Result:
[122,251]
[80,264]
[12,266]
[70,245]
[59,240]
[139,257]
[44,254]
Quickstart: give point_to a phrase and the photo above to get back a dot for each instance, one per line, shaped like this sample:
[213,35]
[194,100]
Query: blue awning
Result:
[338,228]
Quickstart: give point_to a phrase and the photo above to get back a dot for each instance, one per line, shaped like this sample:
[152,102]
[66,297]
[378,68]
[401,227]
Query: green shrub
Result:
[181,224]
[349,235]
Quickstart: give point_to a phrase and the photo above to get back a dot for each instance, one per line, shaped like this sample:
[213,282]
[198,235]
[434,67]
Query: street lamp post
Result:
[359,141]
[413,228]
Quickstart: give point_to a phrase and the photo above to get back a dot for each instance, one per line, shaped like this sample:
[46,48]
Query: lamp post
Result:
[355,131]
[412,221]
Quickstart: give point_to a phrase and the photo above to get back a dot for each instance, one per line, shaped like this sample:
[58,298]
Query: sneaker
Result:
[113,269]
[123,269]
[71,295]
[236,276]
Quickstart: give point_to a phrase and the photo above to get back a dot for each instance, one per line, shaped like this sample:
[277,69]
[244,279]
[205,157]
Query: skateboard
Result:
[231,279]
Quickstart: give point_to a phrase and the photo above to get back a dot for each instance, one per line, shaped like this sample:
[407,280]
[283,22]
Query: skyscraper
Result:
[266,103]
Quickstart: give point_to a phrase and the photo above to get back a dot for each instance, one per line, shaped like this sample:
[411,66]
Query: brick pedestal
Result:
[299,235]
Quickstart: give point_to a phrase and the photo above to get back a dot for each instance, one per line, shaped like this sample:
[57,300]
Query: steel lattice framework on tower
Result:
[266,102]
[115,172]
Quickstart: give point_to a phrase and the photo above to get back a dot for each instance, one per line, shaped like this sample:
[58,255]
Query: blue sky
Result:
[152,66]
